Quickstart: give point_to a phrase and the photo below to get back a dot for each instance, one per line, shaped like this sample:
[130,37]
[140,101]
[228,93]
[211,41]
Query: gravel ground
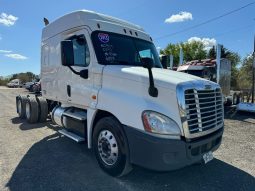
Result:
[36,157]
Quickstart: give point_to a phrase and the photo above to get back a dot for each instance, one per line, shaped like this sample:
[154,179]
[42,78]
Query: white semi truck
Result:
[103,83]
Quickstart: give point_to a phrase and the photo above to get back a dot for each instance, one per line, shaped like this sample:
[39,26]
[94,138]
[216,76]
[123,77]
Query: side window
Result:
[81,51]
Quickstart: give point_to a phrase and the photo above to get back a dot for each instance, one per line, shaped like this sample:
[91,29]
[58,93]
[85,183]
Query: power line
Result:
[206,22]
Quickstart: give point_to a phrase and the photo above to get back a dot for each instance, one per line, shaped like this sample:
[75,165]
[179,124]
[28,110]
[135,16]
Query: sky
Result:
[21,23]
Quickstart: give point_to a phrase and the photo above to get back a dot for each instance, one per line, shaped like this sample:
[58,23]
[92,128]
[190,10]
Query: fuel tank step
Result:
[71,135]
[79,115]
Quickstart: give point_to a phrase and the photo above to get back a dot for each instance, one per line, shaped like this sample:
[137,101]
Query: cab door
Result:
[78,89]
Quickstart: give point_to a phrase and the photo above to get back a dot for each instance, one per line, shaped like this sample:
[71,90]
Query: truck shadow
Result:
[57,163]
[27,126]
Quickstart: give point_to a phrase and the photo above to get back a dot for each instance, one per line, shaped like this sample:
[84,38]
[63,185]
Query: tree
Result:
[24,77]
[193,50]
[245,73]
[212,53]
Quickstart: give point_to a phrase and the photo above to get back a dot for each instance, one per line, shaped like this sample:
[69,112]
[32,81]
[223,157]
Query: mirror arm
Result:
[77,73]
[153,91]
[82,73]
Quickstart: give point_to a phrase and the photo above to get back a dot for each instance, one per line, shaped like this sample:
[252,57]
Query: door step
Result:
[71,135]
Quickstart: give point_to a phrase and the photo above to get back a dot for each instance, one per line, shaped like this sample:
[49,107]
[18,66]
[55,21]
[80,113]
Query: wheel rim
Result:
[107,147]
[19,107]
[27,110]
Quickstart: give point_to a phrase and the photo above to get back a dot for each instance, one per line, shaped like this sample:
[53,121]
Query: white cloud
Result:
[16,56]
[5,51]
[180,17]
[7,20]
[208,42]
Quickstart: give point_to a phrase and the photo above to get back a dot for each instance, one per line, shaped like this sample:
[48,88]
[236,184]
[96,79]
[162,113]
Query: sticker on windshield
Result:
[103,37]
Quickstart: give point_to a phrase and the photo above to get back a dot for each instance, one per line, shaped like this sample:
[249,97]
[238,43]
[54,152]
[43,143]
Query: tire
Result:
[111,147]
[21,106]
[43,109]
[32,110]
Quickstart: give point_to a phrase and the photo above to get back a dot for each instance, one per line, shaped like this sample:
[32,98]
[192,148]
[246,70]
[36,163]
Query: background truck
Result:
[102,82]
[216,70]
[15,83]
[208,69]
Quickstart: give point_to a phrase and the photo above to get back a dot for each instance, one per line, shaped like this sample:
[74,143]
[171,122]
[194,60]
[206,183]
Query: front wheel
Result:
[111,147]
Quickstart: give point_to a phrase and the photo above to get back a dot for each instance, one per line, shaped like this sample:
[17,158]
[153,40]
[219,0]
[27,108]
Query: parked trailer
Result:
[103,83]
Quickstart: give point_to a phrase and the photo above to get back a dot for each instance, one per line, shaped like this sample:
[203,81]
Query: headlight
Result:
[157,123]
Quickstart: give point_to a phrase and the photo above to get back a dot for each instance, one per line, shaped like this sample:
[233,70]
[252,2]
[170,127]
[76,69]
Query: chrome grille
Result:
[204,109]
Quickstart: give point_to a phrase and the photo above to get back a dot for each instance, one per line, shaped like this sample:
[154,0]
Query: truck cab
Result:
[103,83]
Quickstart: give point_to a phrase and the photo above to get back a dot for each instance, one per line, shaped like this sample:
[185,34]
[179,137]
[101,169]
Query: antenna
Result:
[46,21]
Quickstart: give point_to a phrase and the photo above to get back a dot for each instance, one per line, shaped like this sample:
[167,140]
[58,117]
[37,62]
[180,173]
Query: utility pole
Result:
[181,57]
[253,74]
[218,64]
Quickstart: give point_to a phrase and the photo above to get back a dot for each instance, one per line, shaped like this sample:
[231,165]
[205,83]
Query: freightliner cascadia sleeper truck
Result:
[103,84]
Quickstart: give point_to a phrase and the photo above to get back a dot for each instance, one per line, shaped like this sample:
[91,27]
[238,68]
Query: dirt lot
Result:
[36,157]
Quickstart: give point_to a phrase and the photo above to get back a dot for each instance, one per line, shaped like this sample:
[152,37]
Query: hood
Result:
[162,77]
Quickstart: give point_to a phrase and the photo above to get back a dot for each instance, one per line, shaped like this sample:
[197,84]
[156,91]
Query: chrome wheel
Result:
[27,110]
[19,107]
[107,147]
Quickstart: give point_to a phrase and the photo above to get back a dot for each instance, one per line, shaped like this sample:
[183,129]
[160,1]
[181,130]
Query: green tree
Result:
[24,77]
[245,73]
[193,50]
[212,53]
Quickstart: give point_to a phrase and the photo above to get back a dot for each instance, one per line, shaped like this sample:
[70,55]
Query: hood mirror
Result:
[148,63]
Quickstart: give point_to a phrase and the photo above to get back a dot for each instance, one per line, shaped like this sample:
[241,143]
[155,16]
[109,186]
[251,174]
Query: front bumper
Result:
[162,154]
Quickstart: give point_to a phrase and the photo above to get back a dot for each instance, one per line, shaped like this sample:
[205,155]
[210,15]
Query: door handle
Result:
[68,89]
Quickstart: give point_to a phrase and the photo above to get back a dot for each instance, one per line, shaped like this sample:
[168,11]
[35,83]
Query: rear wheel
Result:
[32,112]
[43,109]
[111,147]
[21,106]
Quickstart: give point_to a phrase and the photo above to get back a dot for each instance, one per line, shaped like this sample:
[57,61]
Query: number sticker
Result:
[103,37]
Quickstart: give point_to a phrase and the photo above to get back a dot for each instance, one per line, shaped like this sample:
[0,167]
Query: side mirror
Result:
[67,53]
[147,62]
[84,73]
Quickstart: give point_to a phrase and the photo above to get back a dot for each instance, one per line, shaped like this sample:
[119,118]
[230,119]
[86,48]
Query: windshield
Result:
[116,49]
